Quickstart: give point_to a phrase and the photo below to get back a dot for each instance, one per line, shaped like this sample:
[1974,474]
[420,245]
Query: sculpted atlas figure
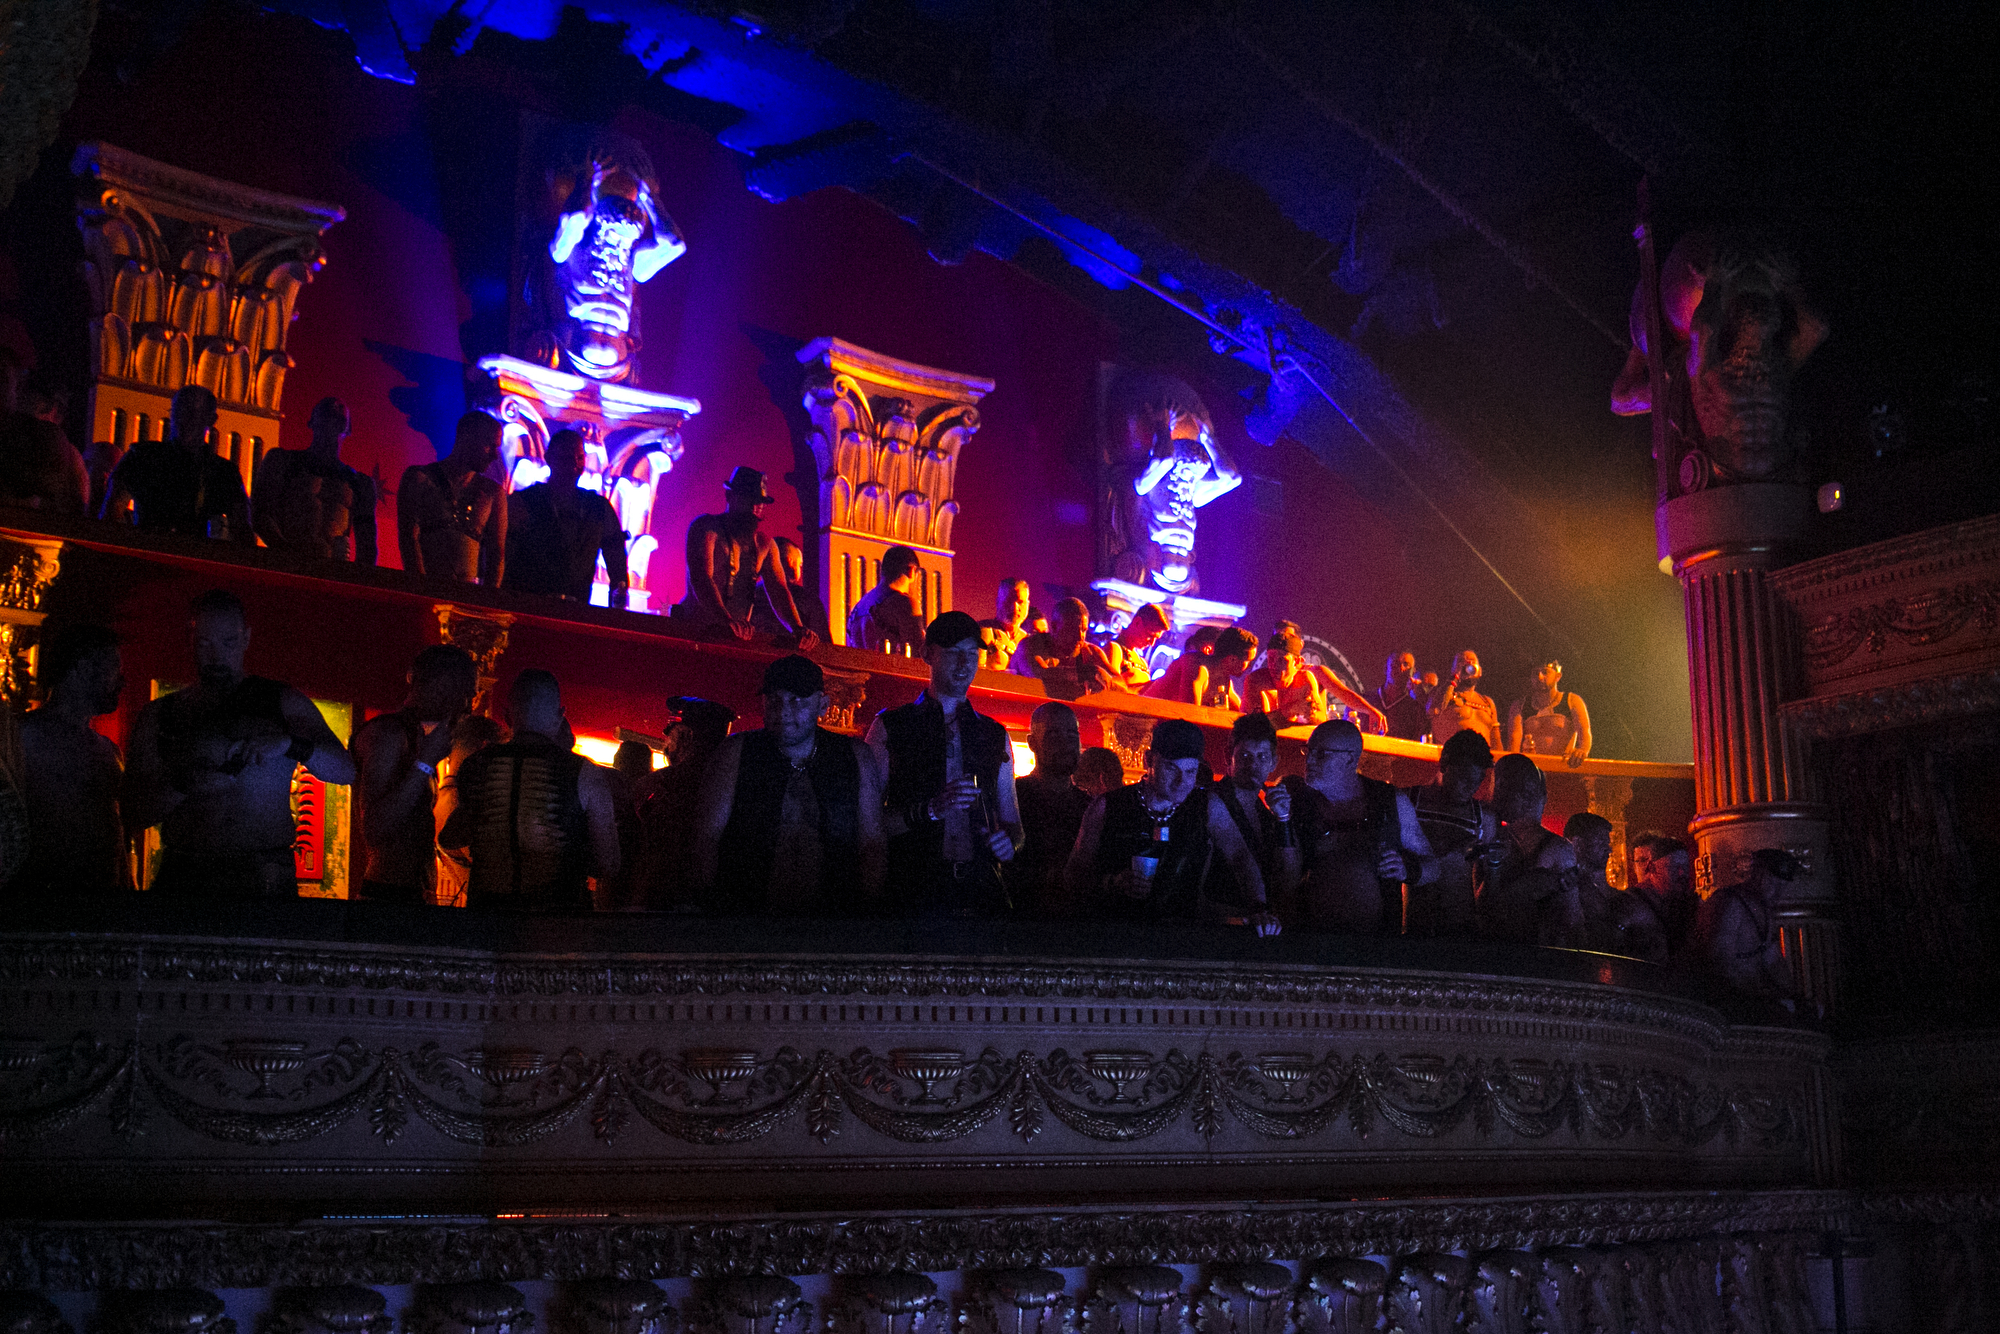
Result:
[1161,465]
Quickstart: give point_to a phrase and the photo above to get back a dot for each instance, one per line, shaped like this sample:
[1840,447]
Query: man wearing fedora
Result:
[729,560]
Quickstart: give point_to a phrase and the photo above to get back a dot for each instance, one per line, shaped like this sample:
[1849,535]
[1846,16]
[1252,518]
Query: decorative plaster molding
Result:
[1931,699]
[79,1257]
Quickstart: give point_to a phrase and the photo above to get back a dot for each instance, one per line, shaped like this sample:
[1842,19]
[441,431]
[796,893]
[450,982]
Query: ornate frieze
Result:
[885,436]
[617,1306]
[1017,1301]
[346,1309]
[470,1308]
[751,1304]
[898,1303]
[192,281]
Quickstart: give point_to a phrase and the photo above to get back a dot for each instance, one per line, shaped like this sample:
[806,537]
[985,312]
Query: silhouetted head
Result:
[565,456]
[192,416]
[221,637]
[81,661]
[443,679]
[477,440]
[534,704]
[1590,835]
[1056,739]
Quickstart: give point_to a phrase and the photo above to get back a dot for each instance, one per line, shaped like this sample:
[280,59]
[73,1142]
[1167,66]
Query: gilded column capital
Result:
[483,634]
[28,567]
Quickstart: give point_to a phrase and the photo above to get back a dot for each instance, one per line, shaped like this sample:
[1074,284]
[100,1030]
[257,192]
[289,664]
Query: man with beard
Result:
[1401,698]
[1663,877]
[212,766]
[557,530]
[950,811]
[790,820]
[1360,838]
[451,520]
[1455,823]
[71,774]
[1550,720]
[398,755]
[1612,922]
[308,502]
[179,484]
[1052,808]
[1144,852]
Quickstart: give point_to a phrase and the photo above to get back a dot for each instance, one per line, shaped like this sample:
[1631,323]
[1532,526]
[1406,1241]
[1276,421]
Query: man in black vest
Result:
[557,530]
[790,817]
[1145,850]
[948,797]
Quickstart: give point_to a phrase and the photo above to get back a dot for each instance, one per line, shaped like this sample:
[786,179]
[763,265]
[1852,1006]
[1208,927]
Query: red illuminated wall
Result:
[295,114]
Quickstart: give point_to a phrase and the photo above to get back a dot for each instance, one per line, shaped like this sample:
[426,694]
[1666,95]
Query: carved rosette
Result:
[470,1308]
[483,634]
[28,567]
[886,437]
[192,280]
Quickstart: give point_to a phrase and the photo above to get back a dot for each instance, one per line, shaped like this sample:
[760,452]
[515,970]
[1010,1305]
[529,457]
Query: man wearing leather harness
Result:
[451,520]
[790,816]
[212,766]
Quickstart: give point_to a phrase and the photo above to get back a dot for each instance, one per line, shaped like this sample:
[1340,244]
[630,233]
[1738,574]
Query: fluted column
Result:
[1751,788]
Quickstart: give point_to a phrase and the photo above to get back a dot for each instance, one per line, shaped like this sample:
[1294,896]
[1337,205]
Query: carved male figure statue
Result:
[71,774]
[1457,825]
[1736,933]
[1400,700]
[790,816]
[1126,651]
[1457,705]
[1008,626]
[1052,808]
[398,755]
[179,484]
[308,502]
[886,617]
[1550,720]
[948,791]
[451,520]
[611,237]
[1163,466]
[1612,922]
[1663,877]
[557,530]
[730,562]
[212,765]
[1063,658]
[1528,889]
[1360,838]
[1144,849]
[1283,687]
[537,818]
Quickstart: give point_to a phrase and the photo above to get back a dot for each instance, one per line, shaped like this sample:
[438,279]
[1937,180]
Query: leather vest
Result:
[748,844]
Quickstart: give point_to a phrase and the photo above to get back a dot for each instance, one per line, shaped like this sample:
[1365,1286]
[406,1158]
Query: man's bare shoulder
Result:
[40,732]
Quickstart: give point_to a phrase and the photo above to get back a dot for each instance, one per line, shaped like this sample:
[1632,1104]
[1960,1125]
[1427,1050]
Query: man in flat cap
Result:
[790,819]
[948,796]
[1145,849]
[730,564]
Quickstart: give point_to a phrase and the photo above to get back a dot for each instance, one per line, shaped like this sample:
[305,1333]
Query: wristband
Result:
[426,768]
[299,751]
[918,814]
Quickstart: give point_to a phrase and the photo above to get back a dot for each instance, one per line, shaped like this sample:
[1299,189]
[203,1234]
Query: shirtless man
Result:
[1550,720]
[1360,839]
[71,774]
[1663,877]
[1736,936]
[1455,823]
[451,520]
[398,755]
[1283,687]
[308,502]
[1064,659]
[1002,634]
[1612,922]
[212,766]
[1126,651]
[1458,706]
[728,562]
[1207,679]
[1528,891]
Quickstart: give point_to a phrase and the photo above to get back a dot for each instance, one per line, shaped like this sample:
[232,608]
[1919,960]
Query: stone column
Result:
[1751,788]
[885,437]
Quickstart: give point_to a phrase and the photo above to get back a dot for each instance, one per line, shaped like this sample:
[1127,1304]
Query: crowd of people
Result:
[921,817]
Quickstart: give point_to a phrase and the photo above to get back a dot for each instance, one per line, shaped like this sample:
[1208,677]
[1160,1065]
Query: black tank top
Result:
[1130,830]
